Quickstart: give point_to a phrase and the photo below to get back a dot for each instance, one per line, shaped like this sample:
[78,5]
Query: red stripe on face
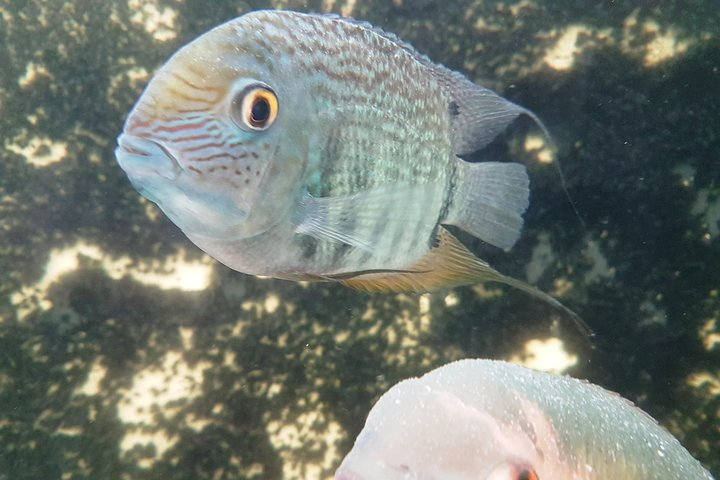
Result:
[204,146]
[218,155]
[181,127]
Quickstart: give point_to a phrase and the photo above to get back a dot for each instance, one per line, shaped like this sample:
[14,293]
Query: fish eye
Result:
[526,474]
[510,470]
[255,107]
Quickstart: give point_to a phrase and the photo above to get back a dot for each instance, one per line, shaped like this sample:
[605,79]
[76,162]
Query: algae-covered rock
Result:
[125,352]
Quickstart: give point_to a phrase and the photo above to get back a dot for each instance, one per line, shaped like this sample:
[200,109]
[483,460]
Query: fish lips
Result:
[142,157]
[198,209]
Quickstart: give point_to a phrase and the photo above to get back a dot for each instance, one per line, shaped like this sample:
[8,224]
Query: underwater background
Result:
[127,353]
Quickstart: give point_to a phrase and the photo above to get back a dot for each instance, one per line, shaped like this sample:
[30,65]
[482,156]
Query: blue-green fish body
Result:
[316,147]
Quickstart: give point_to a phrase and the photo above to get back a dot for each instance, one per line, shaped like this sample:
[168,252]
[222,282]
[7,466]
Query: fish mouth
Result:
[196,207]
[140,157]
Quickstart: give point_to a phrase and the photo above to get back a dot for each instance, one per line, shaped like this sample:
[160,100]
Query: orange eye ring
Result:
[255,108]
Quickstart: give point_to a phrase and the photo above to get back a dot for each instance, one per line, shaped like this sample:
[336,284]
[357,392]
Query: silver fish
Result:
[315,147]
[492,420]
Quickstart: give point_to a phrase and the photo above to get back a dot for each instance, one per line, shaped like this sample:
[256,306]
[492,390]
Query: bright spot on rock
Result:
[533,142]
[130,74]
[40,151]
[542,258]
[708,207]
[545,355]
[663,47]
[272,302]
[187,335]
[655,42]
[95,376]
[710,334]
[600,267]
[310,431]
[153,391]
[137,74]
[424,311]
[537,144]
[702,379]
[451,299]
[32,72]
[174,273]
[348,8]
[562,55]
[157,21]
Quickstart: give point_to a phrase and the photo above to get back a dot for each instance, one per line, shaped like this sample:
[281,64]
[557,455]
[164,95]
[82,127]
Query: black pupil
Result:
[260,111]
[524,475]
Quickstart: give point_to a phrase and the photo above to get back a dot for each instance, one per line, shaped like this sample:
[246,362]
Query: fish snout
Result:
[140,157]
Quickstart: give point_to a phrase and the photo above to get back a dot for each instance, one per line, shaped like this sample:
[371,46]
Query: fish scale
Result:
[353,174]
[398,123]
[354,147]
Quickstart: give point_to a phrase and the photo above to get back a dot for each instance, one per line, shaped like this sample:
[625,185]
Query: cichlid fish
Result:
[492,420]
[315,147]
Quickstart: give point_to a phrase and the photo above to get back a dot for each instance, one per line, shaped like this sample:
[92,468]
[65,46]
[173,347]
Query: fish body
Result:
[314,147]
[492,420]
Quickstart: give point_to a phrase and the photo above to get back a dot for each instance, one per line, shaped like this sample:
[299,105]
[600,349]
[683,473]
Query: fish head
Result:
[416,432]
[217,139]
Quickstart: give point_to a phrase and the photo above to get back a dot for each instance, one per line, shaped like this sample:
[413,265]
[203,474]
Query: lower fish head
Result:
[215,139]
[419,433]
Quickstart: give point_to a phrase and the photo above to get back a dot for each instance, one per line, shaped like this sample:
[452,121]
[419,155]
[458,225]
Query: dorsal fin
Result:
[389,36]
[477,114]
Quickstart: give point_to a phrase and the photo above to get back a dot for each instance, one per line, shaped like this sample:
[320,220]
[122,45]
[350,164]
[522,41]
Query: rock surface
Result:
[126,353]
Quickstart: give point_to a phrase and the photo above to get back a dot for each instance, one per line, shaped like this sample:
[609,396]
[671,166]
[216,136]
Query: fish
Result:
[316,147]
[477,419]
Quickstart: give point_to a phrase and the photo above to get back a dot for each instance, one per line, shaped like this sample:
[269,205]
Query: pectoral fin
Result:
[357,219]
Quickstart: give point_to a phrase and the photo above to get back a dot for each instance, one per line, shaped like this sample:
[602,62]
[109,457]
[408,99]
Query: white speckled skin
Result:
[489,420]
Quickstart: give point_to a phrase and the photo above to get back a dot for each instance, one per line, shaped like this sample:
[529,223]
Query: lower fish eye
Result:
[527,474]
[255,107]
[510,470]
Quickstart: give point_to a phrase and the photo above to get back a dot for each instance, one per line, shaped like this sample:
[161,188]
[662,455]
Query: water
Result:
[127,353]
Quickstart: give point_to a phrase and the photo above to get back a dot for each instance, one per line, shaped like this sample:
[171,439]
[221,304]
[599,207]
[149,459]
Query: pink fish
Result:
[492,420]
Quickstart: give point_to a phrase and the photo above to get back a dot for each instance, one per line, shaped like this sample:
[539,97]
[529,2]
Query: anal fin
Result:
[449,264]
